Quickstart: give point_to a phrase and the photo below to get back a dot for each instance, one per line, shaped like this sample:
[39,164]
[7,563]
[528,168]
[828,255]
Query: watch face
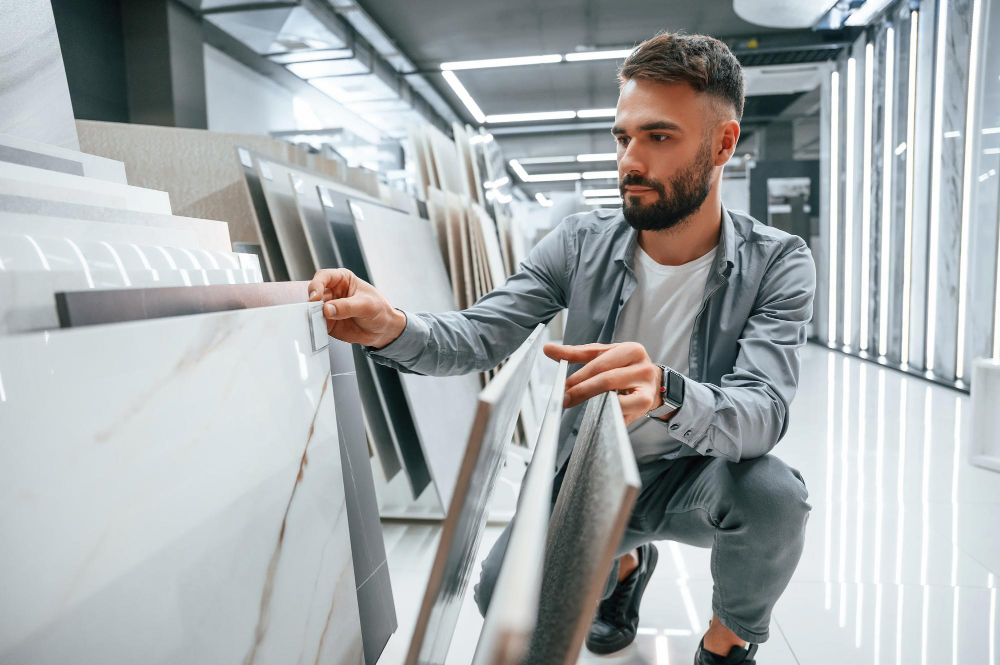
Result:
[675,388]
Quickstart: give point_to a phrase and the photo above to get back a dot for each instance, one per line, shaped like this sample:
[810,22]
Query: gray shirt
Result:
[744,362]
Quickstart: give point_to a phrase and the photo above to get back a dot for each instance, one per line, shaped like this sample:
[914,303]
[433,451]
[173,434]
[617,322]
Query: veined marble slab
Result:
[51,193]
[53,158]
[403,261]
[462,531]
[279,194]
[185,506]
[210,234]
[136,198]
[513,610]
[394,431]
[589,518]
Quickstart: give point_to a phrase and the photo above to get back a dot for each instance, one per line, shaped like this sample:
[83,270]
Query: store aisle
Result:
[902,555]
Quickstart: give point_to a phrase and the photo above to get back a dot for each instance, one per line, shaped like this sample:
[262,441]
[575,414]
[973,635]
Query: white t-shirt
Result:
[660,315]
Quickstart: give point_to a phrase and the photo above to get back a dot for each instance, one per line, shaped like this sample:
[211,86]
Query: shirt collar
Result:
[725,257]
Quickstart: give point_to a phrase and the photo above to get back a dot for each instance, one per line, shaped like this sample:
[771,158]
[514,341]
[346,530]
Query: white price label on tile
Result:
[245,159]
[265,170]
[324,196]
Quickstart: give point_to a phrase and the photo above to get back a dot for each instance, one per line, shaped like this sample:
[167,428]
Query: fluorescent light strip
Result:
[613,200]
[596,113]
[519,170]
[933,232]
[887,198]
[602,192]
[464,95]
[599,55]
[501,62]
[866,196]
[996,299]
[547,160]
[546,203]
[866,12]
[598,157]
[967,175]
[597,175]
[849,202]
[531,117]
[834,200]
[553,177]
[911,130]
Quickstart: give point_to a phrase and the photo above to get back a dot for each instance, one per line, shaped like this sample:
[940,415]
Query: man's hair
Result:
[704,63]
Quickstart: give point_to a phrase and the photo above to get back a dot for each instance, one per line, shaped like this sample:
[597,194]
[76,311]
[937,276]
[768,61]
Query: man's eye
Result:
[622,140]
[660,138]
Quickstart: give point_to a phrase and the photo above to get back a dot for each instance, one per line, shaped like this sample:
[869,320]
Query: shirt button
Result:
[674,426]
[708,451]
[621,302]
[576,431]
[687,433]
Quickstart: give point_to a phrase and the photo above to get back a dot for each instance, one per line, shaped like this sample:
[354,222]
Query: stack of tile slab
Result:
[174,488]
[462,531]
[513,609]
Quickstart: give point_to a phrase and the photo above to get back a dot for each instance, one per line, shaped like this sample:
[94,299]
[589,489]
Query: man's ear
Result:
[730,136]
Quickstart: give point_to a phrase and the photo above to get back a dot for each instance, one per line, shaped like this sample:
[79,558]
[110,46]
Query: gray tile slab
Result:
[513,609]
[371,570]
[275,181]
[462,531]
[274,260]
[402,260]
[385,388]
[53,158]
[595,499]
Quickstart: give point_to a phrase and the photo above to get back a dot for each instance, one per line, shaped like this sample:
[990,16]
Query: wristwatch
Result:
[672,392]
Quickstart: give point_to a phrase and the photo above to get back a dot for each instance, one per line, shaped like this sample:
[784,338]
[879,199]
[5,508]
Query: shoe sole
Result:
[605,650]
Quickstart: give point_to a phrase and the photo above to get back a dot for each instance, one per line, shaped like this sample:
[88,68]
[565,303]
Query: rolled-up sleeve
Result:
[480,337]
[747,413]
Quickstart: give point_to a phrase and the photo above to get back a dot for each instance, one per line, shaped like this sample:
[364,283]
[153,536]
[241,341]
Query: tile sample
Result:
[383,433]
[88,308]
[79,229]
[371,567]
[381,387]
[231,517]
[59,194]
[34,95]
[462,531]
[402,260]
[136,198]
[273,258]
[256,250]
[595,499]
[210,234]
[53,158]
[279,194]
[514,605]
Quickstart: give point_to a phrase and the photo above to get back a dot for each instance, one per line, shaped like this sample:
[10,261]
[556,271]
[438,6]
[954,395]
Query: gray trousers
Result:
[752,514]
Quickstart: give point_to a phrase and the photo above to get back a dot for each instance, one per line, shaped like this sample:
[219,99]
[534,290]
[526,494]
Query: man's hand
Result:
[624,368]
[355,311]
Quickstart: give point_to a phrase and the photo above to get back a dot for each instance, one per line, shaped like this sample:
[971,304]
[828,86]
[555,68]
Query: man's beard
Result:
[688,190]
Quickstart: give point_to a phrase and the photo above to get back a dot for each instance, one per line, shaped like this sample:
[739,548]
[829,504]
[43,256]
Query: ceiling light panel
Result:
[597,175]
[531,117]
[501,62]
[598,157]
[464,95]
[310,56]
[547,160]
[348,89]
[596,113]
[619,54]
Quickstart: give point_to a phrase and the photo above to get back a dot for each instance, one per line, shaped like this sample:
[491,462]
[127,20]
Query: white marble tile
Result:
[42,155]
[78,229]
[218,537]
[31,190]
[34,95]
[135,198]
[210,234]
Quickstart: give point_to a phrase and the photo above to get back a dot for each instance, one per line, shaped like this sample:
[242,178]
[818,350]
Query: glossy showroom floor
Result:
[902,555]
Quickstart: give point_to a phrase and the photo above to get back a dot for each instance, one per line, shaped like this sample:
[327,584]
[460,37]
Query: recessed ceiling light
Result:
[598,157]
[464,95]
[596,113]
[599,55]
[501,62]
[596,175]
[529,117]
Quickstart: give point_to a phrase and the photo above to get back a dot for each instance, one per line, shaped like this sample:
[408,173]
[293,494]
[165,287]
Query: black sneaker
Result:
[617,617]
[737,656]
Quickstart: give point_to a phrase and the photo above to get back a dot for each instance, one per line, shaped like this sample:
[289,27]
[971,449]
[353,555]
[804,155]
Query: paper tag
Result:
[265,170]
[245,157]
[359,215]
[297,183]
[324,196]
[317,327]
